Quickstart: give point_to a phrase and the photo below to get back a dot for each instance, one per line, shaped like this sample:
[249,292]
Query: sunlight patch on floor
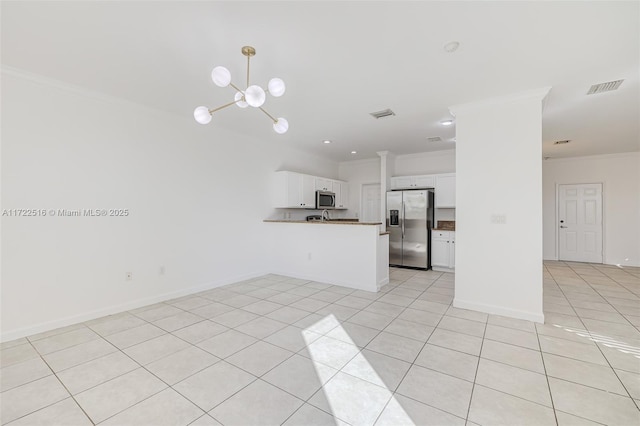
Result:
[350,398]
[607,341]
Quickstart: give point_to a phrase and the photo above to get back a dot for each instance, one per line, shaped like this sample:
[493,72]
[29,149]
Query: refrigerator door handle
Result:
[403,220]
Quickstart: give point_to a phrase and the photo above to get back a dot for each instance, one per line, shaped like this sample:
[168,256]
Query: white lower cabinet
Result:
[443,250]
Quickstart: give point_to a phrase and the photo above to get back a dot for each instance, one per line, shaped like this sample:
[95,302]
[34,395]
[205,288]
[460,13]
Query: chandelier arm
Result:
[248,60]
[236,87]
[211,111]
[268,115]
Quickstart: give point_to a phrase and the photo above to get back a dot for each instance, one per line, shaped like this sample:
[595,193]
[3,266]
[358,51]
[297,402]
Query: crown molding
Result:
[631,154]
[362,161]
[439,153]
[42,80]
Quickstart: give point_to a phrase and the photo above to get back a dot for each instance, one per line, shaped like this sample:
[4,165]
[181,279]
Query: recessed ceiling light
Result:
[326,141]
[451,47]
[446,122]
[353,152]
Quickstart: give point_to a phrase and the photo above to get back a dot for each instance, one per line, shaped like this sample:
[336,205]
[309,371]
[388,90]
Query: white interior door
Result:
[580,222]
[370,203]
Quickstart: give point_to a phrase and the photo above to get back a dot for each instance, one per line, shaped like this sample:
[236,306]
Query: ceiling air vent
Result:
[381,114]
[562,142]
[604,87]
[434,139]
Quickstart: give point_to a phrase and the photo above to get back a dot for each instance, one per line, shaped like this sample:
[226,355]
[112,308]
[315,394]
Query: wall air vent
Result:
[381,114]
[562,142]
[604,87]
[434,139]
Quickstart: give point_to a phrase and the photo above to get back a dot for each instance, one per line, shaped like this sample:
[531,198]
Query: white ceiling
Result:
[343,60]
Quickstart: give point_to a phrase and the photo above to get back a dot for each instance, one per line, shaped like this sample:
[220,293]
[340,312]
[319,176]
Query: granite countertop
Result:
[445,225]
[331,222]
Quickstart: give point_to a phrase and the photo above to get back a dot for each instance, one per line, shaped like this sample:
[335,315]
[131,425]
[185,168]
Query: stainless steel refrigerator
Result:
[409,222]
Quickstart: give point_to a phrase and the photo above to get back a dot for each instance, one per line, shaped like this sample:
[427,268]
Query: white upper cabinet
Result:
[427,181]
[413,182]
[294,191]
[444,186]
[323,184]
[445,191]
[341,190]
[298,191]
[401,182]
[308,191]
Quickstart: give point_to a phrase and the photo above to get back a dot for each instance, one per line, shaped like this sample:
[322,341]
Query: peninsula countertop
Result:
[330,222]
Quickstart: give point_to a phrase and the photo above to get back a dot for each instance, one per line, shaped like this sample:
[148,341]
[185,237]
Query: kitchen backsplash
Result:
[447,225]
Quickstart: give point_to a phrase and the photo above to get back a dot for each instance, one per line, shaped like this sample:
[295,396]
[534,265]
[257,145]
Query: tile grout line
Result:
[635,402]
[394,392]
[475,377]
[599,349]
[325,333]
[544,366]
[65,388]
[604,298]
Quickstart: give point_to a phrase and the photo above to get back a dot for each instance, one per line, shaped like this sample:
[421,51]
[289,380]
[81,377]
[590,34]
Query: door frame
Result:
[556,229]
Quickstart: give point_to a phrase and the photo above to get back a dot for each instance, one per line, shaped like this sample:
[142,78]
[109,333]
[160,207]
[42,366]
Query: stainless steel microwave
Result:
[325,200]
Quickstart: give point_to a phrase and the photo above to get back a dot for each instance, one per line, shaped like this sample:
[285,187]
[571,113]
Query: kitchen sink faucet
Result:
[327,213]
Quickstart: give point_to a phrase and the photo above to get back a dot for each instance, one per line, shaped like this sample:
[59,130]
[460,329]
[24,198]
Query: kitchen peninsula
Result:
[346,253]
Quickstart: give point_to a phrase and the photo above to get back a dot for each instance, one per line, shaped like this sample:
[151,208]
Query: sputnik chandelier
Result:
[253,95]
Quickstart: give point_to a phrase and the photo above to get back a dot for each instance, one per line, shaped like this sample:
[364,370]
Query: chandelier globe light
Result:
[253,95]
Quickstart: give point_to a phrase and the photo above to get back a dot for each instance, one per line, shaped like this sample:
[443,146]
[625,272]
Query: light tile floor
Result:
[276,350]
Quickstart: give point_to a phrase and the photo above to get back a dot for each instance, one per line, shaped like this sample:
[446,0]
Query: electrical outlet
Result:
[162,270]
[309,256]
[129,276]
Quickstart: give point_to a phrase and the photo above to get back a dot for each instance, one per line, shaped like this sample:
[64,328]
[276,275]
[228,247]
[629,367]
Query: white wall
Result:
[620,175]
[196,195]
[499,149]
[358,173]
[426,163]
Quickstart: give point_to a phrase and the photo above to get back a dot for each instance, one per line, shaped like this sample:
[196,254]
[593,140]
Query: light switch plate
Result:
[499,219]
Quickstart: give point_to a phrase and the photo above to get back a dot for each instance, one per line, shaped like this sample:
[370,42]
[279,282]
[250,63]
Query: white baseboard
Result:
[499,310]
[345,283]
[383,282]
[110,310]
